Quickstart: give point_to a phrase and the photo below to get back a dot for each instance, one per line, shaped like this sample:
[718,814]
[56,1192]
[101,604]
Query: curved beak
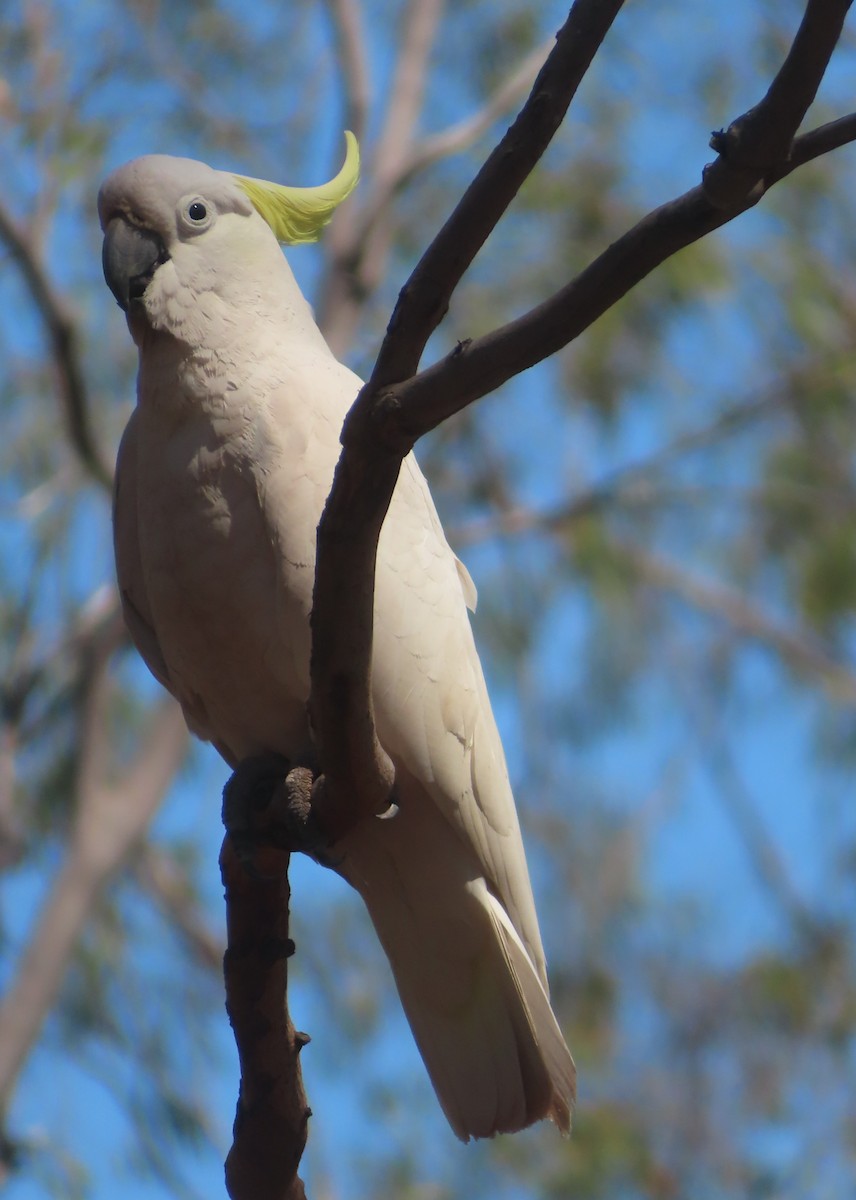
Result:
[130,257]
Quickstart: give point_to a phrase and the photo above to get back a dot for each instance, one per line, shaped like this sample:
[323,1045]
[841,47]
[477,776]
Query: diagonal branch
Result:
[424,299]
[108,822]
[831,136]
[396,406]
[62,336]
[613,487]
[730,788]
[473,369]
[799,647]
[359,242]
[463,134]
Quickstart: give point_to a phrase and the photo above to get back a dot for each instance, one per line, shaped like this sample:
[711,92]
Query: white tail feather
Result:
[479,1013]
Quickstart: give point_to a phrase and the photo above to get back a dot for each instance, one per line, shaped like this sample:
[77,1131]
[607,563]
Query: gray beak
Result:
[130,258]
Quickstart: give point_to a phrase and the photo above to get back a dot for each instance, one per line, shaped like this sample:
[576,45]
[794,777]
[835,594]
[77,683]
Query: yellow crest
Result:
[299,214]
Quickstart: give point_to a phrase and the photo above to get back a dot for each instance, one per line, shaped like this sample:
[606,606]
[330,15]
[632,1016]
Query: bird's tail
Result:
[499,1061]
[479,1013]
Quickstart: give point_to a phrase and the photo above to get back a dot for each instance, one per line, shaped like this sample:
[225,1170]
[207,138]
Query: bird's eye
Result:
[197,211]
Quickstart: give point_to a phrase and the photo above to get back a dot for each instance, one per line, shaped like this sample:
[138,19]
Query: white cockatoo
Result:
[222,475]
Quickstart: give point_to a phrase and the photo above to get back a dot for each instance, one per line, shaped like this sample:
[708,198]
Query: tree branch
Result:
[62,336]
[360,240]
[347,21]
[396,407]
[166,882]
[760,848]
[760,140]
[799,647]
[404,413]
[272,1115]
[424,300]
[822,140]
[613,487]
[107,823]
[419,31]
[460,136]
[358,775]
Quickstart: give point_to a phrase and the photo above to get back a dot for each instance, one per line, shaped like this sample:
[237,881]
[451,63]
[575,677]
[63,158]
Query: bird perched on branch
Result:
[222,475]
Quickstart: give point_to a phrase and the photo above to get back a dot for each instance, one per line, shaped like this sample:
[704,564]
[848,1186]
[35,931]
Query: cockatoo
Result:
[222,474]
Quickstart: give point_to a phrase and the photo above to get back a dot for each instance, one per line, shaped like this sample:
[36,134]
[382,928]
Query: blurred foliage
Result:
[699,922]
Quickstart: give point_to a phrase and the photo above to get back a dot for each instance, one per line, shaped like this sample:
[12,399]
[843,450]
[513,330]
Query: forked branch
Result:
[398,405]
[358,774]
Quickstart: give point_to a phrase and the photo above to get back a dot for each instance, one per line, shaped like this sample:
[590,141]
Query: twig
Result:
[62,336]
[359,242]
[761,851]
[164,880]
[12,840]
[272,1116]
[512,519]
[731,791]
[799,647]
[613,487]
[460,136]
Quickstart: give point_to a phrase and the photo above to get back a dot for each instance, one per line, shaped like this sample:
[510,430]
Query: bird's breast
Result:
[229,580]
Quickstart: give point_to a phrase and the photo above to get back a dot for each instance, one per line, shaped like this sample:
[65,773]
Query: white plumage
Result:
[223,472]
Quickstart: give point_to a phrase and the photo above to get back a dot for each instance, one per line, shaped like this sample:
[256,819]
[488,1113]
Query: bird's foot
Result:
[267,802]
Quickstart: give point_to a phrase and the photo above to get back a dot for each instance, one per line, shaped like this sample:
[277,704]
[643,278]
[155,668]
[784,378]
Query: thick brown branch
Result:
[358,774]
[272,1115]
[822,140]
[62,335]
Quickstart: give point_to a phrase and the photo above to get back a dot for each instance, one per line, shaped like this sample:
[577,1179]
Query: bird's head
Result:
[179,235]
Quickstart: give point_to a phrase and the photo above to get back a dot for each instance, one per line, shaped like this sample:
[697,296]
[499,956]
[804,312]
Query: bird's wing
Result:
[431,698]
[131,578]
[129,566]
